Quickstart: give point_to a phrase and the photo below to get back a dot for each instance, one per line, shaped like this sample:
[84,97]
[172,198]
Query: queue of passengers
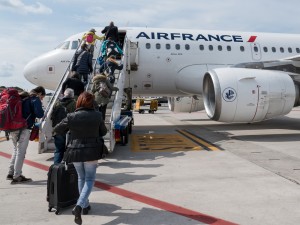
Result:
[85,112]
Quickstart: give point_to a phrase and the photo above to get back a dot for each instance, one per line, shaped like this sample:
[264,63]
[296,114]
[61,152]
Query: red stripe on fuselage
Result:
[252,38]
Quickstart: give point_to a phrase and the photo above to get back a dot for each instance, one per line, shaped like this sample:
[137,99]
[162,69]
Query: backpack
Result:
[58,114]
[111,48]
[11,110]
[103,90]
[90,38]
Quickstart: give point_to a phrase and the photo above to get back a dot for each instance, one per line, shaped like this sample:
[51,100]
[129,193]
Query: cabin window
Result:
[297,50]
[220,47]
[148,45]
[187,47]
[282,49]
[168,46]
[211,48]
[265,49]
[74,45]
[255,49]
[157,46]
[177,46]
[201,47]
[242,48]
[273,49]
[290,50]
[228,48]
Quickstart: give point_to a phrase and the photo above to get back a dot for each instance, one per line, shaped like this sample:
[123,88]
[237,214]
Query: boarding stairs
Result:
[113,111]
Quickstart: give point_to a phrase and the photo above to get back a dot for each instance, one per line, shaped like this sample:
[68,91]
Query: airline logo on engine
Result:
[229,94]
[193,37]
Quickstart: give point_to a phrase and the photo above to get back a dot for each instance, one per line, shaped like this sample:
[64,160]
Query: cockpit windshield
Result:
[64,45]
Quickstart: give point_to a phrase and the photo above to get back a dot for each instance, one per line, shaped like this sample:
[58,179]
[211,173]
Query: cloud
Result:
[6,69]
[20,7]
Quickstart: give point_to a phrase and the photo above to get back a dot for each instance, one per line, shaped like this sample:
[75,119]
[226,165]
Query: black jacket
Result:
[83,62]
[75,84]
[111,31]
[86,128]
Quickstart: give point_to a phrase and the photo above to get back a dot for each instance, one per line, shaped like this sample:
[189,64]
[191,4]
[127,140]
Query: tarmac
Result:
[177,169]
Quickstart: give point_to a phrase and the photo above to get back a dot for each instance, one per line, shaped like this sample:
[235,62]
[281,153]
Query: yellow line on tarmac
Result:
[162,143]
[198,140]
[2,139]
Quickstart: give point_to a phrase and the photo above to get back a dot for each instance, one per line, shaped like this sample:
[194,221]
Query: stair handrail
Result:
[56,94]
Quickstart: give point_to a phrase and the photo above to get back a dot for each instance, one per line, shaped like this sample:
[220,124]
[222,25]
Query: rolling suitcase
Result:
[62,186]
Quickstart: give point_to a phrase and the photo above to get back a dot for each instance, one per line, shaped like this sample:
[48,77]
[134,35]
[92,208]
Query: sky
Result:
[30,28]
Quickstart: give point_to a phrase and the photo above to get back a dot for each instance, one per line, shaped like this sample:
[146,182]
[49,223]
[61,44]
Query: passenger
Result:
[109,68]
[84,149]
[60,110]
[74,83]
[102,100]
[90,38]
[83,63]
[111,31]
[31,109]
[110,47]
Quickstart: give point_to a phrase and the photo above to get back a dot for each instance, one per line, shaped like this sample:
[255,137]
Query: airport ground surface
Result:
[178,169]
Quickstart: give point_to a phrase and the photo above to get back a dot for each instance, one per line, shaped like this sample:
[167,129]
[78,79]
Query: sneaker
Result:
[86,210]
[20,179]
[9,177]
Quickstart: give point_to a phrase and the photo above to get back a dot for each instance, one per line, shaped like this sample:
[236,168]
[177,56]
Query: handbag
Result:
[34,135]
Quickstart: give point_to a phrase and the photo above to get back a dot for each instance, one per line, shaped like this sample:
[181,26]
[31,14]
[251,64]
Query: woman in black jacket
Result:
[85,147]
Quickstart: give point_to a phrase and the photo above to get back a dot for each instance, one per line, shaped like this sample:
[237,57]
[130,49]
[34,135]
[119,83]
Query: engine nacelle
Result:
[185,104]
[247,95]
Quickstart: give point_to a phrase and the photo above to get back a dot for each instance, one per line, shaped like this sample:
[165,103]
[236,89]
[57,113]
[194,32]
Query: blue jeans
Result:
[60,148]
[86,178]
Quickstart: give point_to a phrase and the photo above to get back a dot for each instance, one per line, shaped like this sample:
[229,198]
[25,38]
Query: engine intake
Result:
[247,95]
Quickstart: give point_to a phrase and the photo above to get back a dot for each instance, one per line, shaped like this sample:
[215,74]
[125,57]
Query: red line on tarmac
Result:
[143,199]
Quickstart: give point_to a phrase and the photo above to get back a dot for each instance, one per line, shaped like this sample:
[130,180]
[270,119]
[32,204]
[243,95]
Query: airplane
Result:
[236,76]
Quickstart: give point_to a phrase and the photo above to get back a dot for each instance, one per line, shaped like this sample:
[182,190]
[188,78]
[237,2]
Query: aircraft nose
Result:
[30,71]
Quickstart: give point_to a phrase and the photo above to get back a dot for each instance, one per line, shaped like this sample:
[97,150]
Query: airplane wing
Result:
[289,65]
[294,58]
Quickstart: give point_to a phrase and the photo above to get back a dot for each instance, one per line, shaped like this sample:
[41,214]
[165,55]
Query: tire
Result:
[124,136]
[130,128]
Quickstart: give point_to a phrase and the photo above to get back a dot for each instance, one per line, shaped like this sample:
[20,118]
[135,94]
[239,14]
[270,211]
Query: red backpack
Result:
[90,38]
[11,110]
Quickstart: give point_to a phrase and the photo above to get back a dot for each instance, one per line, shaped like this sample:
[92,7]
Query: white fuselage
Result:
[172,62]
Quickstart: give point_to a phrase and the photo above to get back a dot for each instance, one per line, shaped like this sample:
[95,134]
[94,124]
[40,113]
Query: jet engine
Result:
[248,95]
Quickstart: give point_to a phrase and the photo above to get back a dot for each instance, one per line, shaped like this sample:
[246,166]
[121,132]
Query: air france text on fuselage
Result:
[193,37]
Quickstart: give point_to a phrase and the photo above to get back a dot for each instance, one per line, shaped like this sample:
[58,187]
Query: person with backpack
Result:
[109,47]
[75,83]
[90,38]
[108,68]
[111,31]
[83,63]
[85,148]
[60,110]
[102,90]
[31,109]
